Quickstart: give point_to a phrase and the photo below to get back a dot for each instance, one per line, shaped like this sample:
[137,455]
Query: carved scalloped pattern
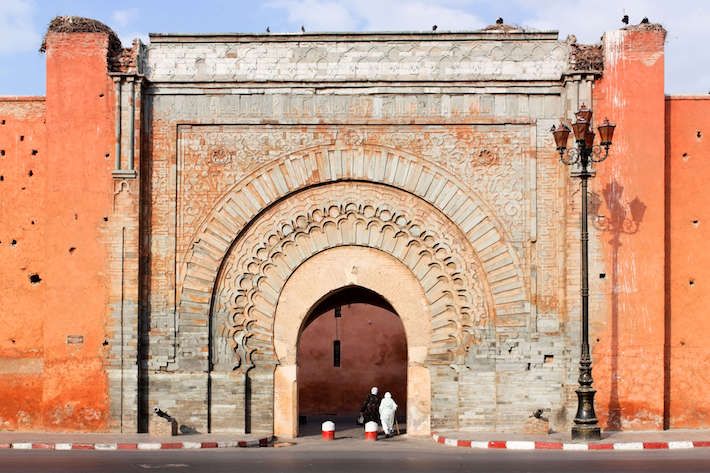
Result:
[351,214]
[266,186]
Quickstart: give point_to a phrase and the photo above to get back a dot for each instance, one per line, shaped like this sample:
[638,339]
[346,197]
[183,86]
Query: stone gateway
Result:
[246,180]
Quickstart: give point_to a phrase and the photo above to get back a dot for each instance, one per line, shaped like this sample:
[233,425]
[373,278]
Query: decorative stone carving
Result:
[351,214]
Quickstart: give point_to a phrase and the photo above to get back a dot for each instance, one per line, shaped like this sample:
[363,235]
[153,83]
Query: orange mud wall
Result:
[373,353]
[627,325]
[55,201]
[688,174]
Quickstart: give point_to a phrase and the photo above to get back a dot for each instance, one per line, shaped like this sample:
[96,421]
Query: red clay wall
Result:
[628,339]
[52,374]
[373,353]
[688,168]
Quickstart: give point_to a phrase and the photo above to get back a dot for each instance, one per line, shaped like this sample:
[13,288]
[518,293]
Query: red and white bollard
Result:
[371,431]
[328,430]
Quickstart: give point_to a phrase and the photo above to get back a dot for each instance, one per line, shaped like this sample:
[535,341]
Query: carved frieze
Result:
[348,214]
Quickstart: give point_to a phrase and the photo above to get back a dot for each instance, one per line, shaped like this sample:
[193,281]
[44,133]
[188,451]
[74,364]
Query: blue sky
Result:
[23,22]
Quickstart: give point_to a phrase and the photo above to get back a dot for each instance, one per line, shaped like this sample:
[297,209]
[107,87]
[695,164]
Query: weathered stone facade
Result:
[261,152]
[254,175]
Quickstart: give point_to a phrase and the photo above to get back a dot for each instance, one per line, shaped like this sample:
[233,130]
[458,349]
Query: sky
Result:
[23,23]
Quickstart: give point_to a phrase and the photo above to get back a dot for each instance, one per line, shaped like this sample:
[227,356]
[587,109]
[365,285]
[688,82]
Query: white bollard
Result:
[371,430]
[328,430]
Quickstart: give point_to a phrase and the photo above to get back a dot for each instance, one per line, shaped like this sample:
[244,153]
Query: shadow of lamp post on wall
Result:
[582,155]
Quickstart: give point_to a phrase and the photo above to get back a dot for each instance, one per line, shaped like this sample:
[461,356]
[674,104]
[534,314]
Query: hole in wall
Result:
[34,152]
[107,155]
[696,223]
[547,359]
[22,137]
[76,216]
[101,94]
[685,156]
[597,340]
[682,343]
[13,340]
[35,279]
[602,275]
[13,242]
[30,173]
[72,249]
[698,134]
[105,343]
[2,122]
[32,222]
[527,368]
[2,152]
[2,178]
[105,219]
[691,282]
[23,188]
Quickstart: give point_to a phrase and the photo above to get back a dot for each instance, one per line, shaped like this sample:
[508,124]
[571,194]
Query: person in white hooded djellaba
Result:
[387,411]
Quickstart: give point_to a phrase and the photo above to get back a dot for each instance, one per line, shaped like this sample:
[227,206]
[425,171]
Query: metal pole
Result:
[586,424]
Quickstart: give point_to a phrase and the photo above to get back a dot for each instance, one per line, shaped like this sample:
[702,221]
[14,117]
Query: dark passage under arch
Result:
[352,340]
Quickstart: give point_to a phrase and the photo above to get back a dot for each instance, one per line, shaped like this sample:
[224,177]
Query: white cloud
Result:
[374,15]
[687,58]
[17,32]
[124,17]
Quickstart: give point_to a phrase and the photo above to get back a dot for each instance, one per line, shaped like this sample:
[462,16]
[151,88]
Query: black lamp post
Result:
[584,154]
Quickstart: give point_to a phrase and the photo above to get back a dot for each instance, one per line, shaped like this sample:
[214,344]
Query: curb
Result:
[262,442]
[582,446]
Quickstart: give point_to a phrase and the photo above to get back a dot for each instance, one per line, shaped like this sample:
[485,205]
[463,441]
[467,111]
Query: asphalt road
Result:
[350,455]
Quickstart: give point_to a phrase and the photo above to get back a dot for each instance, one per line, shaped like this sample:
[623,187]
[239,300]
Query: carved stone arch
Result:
[417,177]
[336,215]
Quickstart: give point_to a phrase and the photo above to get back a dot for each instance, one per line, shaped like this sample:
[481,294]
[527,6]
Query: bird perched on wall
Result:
[499,21]
[303,29]
[625,19]
[644,21]
[433,28]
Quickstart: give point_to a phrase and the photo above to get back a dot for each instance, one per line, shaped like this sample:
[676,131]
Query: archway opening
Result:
[351,340]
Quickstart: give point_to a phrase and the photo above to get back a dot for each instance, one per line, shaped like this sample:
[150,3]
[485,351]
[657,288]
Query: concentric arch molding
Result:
[327,164]
[360,214]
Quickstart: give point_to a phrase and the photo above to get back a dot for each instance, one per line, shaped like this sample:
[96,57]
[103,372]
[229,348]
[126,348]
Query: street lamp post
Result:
[584,154]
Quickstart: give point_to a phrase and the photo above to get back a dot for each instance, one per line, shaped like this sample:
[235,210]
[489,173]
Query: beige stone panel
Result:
[329,271]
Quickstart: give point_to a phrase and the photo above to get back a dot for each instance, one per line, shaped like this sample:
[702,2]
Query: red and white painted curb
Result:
[262,442]
[537,445]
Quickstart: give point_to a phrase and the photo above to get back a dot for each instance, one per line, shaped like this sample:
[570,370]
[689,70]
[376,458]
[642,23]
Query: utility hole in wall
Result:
[13,242]
[685,156]
[696,223]
[691,282]
[34,152]
[35,279]
[22,137]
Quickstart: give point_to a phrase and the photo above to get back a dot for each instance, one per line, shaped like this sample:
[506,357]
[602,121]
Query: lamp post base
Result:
[586,432]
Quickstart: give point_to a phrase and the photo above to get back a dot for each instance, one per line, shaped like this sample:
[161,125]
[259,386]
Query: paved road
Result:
[353,455]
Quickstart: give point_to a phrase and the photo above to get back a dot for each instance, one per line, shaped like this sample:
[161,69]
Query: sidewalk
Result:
[117,441]
[639,440]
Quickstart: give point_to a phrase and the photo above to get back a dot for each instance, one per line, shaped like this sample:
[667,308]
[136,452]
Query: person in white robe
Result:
[387,412]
